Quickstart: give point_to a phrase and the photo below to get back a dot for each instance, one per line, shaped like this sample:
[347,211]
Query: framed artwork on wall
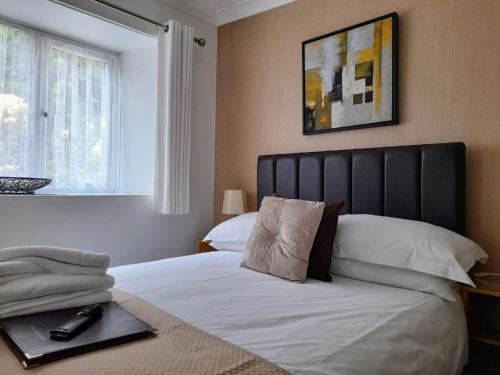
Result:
[350,77]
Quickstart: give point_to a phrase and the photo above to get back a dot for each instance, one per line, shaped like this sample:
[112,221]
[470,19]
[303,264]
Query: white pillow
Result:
[238,246]
[232,234]
[398,277]
[409,244]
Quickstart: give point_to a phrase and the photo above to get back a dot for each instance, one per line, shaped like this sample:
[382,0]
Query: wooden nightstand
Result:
[482,305]
[204,246]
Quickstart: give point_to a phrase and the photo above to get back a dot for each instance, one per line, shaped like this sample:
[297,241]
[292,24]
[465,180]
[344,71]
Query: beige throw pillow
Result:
[282,237]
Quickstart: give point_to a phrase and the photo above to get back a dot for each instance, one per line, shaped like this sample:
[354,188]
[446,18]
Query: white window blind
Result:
[62,111]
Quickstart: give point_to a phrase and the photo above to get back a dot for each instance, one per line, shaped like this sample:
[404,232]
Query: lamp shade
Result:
[235,202]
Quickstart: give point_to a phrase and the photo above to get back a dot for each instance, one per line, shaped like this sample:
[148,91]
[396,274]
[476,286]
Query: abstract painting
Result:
[350,77]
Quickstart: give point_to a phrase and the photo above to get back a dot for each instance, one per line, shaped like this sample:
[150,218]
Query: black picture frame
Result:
[395,78]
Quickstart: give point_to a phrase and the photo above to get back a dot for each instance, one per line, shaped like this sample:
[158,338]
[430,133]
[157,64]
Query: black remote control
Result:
[78,323]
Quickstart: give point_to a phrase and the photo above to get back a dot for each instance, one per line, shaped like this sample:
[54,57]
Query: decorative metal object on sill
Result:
[22,185]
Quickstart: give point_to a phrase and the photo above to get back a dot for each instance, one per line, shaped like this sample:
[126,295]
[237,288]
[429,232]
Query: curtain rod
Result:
[200,41]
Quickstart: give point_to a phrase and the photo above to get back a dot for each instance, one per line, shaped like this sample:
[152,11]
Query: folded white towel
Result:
[50,285]
[13,267]
[49,303]
[71,256]
[33,265]
[8,279]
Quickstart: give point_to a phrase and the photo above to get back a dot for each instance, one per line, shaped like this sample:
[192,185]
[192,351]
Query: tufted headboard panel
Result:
[422,182]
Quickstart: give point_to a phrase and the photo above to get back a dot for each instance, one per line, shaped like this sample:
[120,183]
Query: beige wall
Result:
[449,91]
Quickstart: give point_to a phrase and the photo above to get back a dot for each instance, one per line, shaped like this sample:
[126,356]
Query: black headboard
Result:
[422,182]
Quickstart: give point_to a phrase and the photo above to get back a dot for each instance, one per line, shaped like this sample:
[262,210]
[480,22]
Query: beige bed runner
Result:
[179,349]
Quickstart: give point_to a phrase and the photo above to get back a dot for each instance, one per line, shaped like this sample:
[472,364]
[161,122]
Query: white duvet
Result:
[343,327]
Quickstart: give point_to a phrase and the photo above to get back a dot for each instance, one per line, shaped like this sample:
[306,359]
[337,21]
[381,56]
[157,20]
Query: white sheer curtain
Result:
[17,100]
[171,192]
[59,110]
[80,110]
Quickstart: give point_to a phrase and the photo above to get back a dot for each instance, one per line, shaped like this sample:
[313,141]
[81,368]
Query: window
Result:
[58,111]
[16,100]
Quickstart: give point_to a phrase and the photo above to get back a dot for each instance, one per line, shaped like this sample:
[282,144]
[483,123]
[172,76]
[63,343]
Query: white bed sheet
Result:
[344,327]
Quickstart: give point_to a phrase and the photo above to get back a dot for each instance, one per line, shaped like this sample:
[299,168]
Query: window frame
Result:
[39,123]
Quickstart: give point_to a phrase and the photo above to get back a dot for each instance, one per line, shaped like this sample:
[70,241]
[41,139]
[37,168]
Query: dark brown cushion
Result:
[321,252]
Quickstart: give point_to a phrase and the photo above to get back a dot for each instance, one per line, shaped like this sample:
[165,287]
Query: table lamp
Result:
[235,202]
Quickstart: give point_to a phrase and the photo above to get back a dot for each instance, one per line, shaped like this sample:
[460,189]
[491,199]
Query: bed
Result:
[347,326]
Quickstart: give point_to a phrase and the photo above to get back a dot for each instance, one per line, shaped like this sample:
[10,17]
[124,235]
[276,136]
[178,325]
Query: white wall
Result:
[126,226]
[138,121]
[123,226]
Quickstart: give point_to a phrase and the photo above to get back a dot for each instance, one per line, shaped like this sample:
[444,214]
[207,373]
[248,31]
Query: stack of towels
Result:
[44,278]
